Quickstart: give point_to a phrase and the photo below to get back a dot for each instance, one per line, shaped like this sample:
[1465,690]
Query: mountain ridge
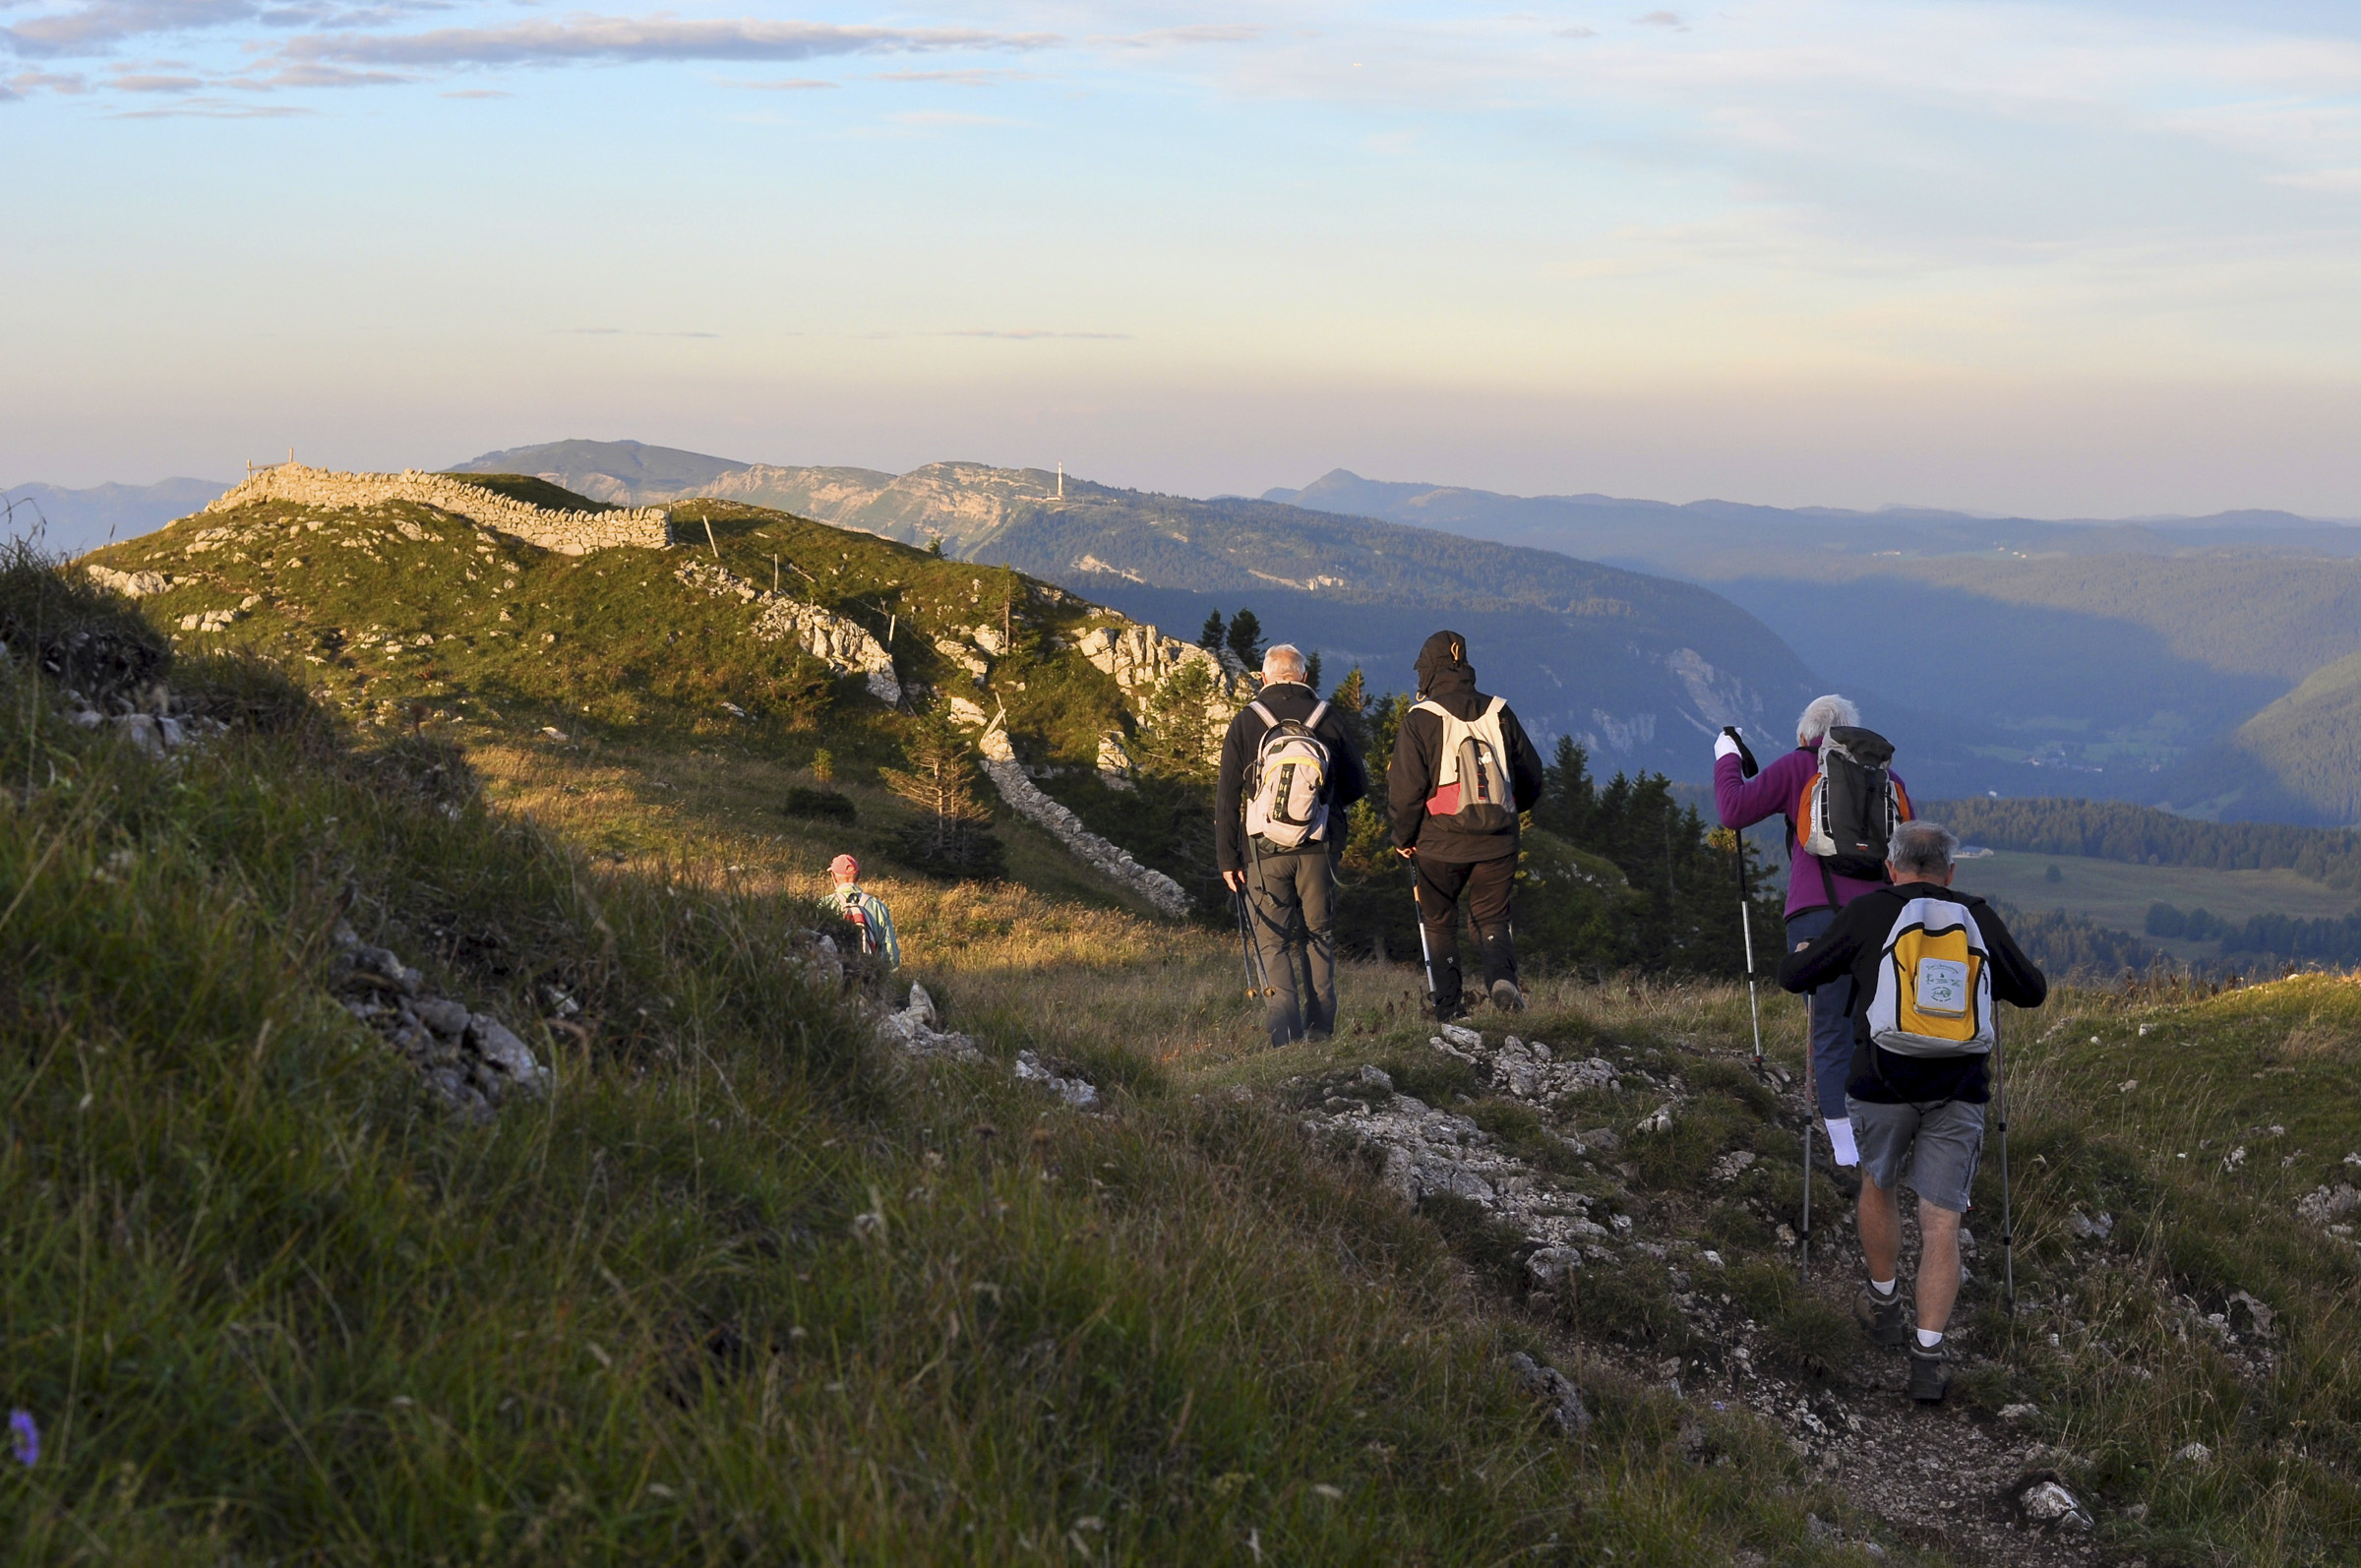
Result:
[1640,668]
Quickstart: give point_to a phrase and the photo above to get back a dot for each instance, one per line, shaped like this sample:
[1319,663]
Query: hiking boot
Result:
[1881,1316]
[1506,997]
[1317,1037]
[1930,1377]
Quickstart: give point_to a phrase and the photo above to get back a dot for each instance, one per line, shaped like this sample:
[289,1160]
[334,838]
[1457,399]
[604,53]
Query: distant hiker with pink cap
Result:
[866,911]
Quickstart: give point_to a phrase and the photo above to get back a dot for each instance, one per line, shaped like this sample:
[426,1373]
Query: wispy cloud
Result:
[1200,32]
[948,117]
[100,26]
[975,77]
[215,109]
[623,331]
[134,82]
[635,39]
[1661,18]
[1030,333]
[800,84]
[2342,182]
[24,81]
[476,92]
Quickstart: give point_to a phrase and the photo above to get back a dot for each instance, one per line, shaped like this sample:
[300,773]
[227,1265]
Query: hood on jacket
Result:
[1444,653]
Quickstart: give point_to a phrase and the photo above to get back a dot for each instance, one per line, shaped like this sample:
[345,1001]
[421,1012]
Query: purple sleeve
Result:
[1744,802]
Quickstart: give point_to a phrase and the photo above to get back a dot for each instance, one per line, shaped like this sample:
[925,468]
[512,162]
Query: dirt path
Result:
[1948,1477]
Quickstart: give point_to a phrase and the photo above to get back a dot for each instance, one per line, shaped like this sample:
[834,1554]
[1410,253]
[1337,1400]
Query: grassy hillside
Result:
[746,1287]
[406,615]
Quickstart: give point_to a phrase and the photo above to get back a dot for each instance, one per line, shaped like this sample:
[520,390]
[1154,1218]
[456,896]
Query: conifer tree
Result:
[1213,635]
[1311,671]
[1245,639]
[952,834]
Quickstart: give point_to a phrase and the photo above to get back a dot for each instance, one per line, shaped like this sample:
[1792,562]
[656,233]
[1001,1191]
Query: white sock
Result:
[1928,1337]
[1840,1140]
[1883,1287]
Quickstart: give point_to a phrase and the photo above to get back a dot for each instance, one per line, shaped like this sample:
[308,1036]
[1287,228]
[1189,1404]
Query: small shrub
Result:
[1635,1305]
[1489,1246]
[1815,1335]
[823,806]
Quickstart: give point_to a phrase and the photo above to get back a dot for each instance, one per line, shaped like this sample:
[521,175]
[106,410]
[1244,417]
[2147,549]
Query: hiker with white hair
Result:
[1926,965]
[1288,770]
[1822,876]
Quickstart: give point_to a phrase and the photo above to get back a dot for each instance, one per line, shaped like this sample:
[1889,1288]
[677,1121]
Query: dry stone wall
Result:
[1167,896]
[571,533]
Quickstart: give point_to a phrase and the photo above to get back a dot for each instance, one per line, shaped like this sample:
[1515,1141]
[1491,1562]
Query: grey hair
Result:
[1926,848]
[1823,714]
[1283,661]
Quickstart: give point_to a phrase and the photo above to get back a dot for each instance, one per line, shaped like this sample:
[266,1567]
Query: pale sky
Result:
[2084,258]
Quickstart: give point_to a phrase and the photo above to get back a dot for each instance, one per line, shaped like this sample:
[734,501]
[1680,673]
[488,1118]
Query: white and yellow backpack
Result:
[1934,983]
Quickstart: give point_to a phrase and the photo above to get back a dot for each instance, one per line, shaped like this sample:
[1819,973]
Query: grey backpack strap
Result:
[1318,714]
[1269,722]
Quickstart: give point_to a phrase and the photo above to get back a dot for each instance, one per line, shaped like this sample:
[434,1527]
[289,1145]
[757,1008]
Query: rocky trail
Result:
[1950,1476]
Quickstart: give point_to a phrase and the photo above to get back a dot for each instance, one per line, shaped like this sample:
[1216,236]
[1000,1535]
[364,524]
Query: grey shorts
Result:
[1941,1138]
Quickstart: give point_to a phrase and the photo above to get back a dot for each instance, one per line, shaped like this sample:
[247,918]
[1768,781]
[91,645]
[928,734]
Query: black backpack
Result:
[1850,810]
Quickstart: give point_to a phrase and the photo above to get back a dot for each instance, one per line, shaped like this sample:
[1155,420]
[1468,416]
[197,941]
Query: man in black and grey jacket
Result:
[1455,845]
[1927,1110]
[1290,889]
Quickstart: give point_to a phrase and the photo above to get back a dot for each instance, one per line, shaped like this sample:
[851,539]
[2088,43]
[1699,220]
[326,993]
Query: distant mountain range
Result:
[2209,664]
[1640,668]
[73,521]
[2143,659]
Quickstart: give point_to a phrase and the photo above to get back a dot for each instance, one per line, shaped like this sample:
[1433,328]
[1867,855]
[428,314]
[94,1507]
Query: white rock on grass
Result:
[916,1030]
[2048,1502]
[1079,1093]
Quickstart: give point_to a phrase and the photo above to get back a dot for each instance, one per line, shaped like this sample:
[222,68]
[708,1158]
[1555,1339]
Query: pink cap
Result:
[844,868]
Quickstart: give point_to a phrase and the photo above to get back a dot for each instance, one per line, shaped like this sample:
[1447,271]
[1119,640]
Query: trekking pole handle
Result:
[1747,765]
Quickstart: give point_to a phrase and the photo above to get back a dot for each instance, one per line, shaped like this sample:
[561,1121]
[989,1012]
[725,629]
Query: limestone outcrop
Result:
[1141,658]
[843,645]
[571,533]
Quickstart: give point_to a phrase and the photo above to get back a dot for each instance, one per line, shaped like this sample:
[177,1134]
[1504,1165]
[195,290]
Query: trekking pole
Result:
[1246,939]
[1811,1110]
[2008,1238]
[1417,913]
[1737,843]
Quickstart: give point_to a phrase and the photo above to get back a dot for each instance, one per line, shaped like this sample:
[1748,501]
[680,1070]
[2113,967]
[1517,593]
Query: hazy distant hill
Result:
[2105,655]
[617,472]
[1642,669]
[77,520]
[2298,760]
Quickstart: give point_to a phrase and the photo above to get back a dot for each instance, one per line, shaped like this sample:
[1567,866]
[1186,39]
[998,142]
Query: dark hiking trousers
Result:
[1486,884]
[1830,1009]
[1292,899]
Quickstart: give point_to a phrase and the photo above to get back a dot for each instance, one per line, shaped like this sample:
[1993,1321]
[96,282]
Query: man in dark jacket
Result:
[1456,840]
[1290,888]
[1927,1109]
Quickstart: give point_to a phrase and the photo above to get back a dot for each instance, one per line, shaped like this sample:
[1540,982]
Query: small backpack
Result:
[1850,810]
[875,922]
[1287,785]
[1934,983]
[1471,784]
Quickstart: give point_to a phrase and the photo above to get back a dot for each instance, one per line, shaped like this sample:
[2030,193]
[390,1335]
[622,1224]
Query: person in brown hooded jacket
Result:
[1463,769]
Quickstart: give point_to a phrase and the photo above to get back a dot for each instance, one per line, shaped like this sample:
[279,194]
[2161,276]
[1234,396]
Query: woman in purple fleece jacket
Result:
[1814,893]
